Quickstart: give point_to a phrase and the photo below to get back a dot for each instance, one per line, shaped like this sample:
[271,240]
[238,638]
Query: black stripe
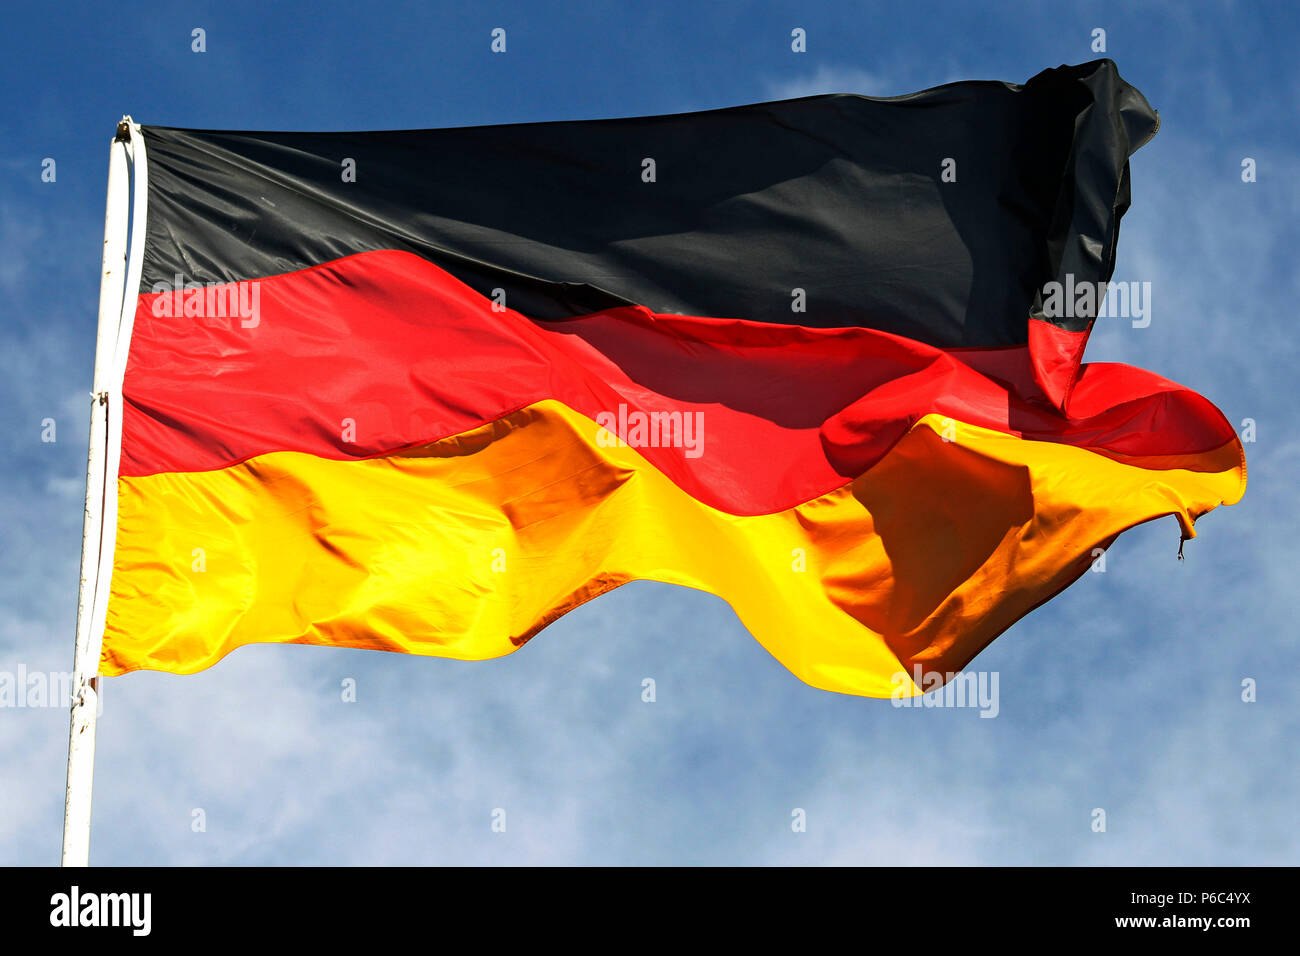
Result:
[838,195]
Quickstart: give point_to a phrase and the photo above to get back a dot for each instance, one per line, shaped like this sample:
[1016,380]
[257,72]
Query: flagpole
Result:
[85,682]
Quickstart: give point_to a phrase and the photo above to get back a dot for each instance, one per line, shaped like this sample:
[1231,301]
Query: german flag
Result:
[427,391]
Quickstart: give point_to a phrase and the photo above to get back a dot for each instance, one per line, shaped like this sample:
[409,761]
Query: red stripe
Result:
[1055,354]
[412,355]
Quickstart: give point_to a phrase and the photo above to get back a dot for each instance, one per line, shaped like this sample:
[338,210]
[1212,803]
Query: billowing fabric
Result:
[776,353]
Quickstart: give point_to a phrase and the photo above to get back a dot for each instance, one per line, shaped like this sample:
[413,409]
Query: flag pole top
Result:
[123,129]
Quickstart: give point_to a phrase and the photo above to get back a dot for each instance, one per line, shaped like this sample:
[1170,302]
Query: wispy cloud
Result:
[830,79]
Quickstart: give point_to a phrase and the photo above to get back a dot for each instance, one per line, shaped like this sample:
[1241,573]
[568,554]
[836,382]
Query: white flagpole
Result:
[85,683]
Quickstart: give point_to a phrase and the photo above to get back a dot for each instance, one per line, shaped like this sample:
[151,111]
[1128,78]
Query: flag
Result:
[427,391]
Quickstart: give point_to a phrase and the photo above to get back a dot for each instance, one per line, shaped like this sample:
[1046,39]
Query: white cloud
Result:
[828,79]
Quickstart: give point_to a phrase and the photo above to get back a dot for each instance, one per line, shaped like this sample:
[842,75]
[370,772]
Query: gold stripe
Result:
[467,547]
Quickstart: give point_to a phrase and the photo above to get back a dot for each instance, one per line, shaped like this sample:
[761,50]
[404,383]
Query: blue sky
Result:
[1124,693]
